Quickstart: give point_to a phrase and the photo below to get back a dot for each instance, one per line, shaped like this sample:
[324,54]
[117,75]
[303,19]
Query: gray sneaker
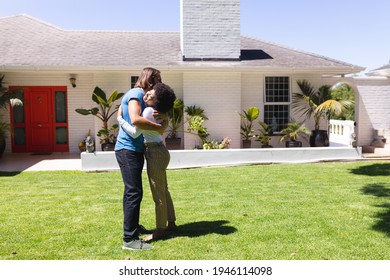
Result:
[136,244]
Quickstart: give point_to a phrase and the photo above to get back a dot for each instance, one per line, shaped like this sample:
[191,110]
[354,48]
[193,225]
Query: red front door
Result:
[40,120]
[41,125]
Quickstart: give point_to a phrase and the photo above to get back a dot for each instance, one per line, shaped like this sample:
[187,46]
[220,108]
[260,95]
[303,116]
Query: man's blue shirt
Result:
[124,141]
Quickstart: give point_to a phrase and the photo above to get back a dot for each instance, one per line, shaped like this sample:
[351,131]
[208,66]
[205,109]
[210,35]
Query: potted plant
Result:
[4,128]
[195,120]
[175,116]
[104,112]
[265,134]
[108,137]
[248,117]
[292,132]
[214,144]
[82,146]
[317,103]
[6,98]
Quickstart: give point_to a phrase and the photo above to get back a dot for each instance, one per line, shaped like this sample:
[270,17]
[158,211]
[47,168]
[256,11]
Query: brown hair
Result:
[148,78]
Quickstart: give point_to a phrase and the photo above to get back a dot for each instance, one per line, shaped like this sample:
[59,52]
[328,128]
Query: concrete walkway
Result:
[39,162]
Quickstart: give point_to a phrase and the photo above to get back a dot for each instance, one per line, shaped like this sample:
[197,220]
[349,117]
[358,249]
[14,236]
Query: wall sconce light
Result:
[72,80]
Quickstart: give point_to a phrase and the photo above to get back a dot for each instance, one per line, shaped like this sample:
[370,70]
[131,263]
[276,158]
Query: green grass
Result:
[338,211]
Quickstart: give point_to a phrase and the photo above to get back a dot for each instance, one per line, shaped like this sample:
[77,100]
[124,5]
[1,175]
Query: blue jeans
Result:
[131,164]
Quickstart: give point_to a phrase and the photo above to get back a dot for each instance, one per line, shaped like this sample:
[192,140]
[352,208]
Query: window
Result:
[133,81]
[277,102]
[60,117]
[18,115]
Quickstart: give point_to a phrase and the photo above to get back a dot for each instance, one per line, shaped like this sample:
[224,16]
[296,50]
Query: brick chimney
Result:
[210,29]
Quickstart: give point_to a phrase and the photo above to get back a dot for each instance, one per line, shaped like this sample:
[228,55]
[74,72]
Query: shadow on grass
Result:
[201,228]
[8,174]
[380,191]
[377,169]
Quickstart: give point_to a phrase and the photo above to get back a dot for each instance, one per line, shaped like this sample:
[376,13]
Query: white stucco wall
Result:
[218,93]
[222,94]
[373,108]
[252,95]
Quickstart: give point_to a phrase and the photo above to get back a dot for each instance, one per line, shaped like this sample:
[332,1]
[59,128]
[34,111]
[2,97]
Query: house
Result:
[373,110]
[208,63]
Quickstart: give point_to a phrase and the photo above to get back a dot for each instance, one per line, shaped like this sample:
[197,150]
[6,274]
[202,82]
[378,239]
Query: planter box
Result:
[106,161]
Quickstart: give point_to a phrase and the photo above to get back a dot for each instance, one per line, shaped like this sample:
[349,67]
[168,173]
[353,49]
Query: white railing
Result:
[341,132]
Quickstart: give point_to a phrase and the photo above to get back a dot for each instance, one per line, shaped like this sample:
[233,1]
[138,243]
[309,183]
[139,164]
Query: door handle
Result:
[39,125]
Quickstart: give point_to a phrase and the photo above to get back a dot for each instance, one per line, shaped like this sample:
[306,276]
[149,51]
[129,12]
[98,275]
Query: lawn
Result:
[337,211]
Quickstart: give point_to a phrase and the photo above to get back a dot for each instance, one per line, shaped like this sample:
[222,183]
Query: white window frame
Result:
[285,119]
[133,81]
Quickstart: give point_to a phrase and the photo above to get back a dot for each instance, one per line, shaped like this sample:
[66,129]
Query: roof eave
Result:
[191,66]
[382,72]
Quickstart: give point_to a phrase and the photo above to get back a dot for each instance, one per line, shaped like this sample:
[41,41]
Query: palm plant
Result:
[293,131]
[175,116]
[4,127]
[248,117]
[265,132]
[6,98]
[195,119]
[317,103]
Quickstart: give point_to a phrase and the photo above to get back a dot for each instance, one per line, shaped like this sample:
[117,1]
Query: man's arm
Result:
[141,122]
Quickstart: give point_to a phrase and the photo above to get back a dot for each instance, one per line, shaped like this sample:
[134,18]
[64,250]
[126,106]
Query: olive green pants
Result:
[157,160]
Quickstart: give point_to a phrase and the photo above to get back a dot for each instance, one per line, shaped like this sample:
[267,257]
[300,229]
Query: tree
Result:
[344,91]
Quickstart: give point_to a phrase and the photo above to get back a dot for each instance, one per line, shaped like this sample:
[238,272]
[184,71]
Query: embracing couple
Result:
[143,119]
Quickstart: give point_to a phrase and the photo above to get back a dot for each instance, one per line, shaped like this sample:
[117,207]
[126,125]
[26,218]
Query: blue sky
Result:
[353,31]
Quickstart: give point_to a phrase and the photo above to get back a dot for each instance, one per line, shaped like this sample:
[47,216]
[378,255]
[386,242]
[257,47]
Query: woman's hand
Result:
[163,120]
[120,111]
[160,117]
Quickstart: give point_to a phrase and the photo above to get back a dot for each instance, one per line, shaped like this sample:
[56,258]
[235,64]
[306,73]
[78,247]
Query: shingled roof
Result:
[28,43]
[381,71]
